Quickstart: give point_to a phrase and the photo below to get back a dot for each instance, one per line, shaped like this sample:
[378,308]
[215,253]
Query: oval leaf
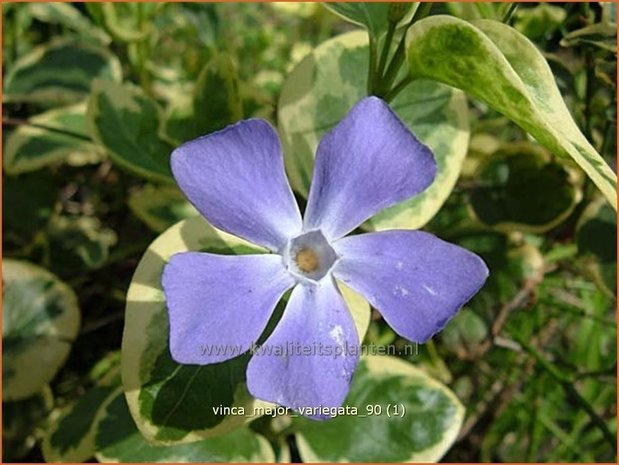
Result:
[495,63]
[118,440]
[51,137]
[126,123]
[217,99]
[59,73]
[521,188]
[427,411]
[71,436]
[160,207]
[152,380]
[328,82]
[216,102]
[40,320]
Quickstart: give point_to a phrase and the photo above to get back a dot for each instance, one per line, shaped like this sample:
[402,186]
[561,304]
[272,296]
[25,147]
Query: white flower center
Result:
[309,256]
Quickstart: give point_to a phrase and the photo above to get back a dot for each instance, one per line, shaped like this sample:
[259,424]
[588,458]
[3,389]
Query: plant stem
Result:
[385,51]
[142,51]
[608,127]
[371,85]
[589,91]
[510,12]
[398,57]
[393,93]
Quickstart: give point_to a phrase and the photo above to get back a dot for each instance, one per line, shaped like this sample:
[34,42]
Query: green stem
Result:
[386,47]
[608,127]
[589,91]
[399,87]
[510,12]
[371,86]
[142,47]
[568,386]
[398,57]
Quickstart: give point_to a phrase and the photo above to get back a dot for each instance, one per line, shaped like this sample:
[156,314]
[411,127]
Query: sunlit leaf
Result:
[494,63]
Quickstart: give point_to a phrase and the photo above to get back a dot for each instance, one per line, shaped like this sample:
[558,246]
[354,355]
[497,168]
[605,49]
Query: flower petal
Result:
[416,280]
[219,305]
[311,356]
[368,162]
[235,178]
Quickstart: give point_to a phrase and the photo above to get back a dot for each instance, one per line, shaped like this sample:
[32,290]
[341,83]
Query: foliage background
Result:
[532,358]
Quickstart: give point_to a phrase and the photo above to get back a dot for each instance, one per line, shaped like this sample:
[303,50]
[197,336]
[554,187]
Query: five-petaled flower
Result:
[236,179]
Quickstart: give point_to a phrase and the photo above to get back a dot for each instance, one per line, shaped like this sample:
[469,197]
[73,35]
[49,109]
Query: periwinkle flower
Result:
[235,178]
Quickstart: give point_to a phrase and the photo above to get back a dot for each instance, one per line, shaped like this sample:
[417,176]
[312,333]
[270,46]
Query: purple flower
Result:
[235,178]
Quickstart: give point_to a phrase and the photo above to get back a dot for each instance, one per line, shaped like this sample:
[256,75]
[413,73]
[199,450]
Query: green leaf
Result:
[519,187]
[125,22]
[373,16]
[464,332]
[328,82]
[127,124]
[179,123]
[59,73]
[67,15]
[217,102]
[160,207]
[540,21]
[601,35]
[596,234]
[419,418]
[495,63]
[40,320]
[152,380]
[478,10]
[20,423]
[118,440]
[27,202]
[77,242]
[71,436]
[609,12]
[217,99]
[525,263]
[51,137]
